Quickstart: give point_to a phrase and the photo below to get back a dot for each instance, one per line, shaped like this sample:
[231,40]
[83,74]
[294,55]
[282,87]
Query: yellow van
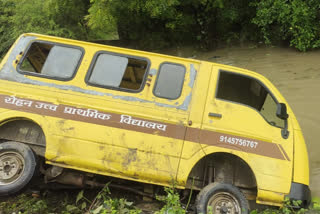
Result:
[92,109]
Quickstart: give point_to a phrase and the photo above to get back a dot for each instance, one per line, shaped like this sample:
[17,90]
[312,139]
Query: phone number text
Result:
[238,141]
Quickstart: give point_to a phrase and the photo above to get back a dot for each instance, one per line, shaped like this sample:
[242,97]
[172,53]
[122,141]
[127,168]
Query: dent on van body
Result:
[8,72]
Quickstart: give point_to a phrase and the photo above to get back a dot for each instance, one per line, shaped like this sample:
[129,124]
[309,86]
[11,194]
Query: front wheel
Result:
[17,167]
[221,198]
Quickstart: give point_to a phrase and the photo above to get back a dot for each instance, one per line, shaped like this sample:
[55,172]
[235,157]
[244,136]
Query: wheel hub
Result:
[11,167]
[224,203]
[224,210]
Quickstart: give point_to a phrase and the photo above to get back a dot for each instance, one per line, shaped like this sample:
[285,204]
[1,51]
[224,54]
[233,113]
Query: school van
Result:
[88,109]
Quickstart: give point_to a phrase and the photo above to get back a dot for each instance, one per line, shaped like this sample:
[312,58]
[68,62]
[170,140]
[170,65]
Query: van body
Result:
[150,118]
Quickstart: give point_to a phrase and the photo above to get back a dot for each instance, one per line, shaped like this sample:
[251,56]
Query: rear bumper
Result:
[300,192]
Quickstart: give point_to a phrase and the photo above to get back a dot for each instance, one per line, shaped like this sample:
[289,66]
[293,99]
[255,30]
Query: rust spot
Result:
[105,161]
[130,157]
[135,175]
[62,124]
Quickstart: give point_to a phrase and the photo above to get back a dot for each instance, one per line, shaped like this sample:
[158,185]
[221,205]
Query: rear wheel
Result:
[220,198]
[17,167]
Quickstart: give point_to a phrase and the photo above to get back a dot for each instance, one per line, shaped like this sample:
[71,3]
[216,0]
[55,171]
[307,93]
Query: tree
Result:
[52,17]
[294,20]
[6,34]
[158,23]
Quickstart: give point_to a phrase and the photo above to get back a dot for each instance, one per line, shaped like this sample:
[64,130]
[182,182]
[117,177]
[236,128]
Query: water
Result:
[295,74]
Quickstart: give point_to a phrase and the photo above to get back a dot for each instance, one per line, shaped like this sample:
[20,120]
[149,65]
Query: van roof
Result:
[111,47]
[134,51]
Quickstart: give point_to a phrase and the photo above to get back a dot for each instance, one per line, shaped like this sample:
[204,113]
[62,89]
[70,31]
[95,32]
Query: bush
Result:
[295,20]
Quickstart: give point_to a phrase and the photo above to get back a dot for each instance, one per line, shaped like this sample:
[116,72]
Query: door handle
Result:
[215,115]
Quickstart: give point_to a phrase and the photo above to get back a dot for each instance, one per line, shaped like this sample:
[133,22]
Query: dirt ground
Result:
[295,74]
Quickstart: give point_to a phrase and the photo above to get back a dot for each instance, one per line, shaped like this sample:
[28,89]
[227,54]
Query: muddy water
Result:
[295,74]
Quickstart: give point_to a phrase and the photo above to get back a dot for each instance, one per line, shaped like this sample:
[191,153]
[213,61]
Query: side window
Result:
[250,92]
[119,72]
[169,81]
[51,60]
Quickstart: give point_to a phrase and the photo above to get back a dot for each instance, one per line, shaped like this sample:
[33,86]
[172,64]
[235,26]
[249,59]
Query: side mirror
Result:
[282,111]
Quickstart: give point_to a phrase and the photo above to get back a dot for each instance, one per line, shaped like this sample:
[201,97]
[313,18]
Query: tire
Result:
[17,167]
[222,198]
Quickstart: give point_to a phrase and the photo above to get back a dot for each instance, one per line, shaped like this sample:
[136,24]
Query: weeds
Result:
[172,202]
[289,207]
[103,203]
[24,205]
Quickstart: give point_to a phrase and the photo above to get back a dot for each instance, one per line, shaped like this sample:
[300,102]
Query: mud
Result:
[295,74]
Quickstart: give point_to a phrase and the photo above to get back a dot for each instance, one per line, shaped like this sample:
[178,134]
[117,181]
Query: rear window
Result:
[118,72]
[169,81]
[51,61]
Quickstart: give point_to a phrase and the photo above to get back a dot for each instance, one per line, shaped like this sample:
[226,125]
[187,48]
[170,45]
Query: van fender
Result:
[218,165]
[29,129]
[186,165]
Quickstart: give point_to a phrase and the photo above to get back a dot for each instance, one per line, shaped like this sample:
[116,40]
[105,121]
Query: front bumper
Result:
[300,192]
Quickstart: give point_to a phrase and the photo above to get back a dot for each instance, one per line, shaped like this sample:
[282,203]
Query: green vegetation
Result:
[172,203]
[104,203]
[154,24]
[296,21]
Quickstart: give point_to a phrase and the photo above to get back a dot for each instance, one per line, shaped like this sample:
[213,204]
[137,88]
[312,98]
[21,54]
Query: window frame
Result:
[19,70]
[94,60]
[252,78]
[156,82]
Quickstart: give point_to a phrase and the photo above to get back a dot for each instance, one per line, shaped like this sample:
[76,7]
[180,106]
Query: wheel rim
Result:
[223,203]
[11,167]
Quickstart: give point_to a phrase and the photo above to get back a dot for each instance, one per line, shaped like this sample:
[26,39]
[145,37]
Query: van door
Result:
[171,92]
[240,118]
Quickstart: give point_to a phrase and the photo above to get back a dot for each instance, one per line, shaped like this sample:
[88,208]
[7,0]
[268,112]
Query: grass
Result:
[75,202]
[71,202]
